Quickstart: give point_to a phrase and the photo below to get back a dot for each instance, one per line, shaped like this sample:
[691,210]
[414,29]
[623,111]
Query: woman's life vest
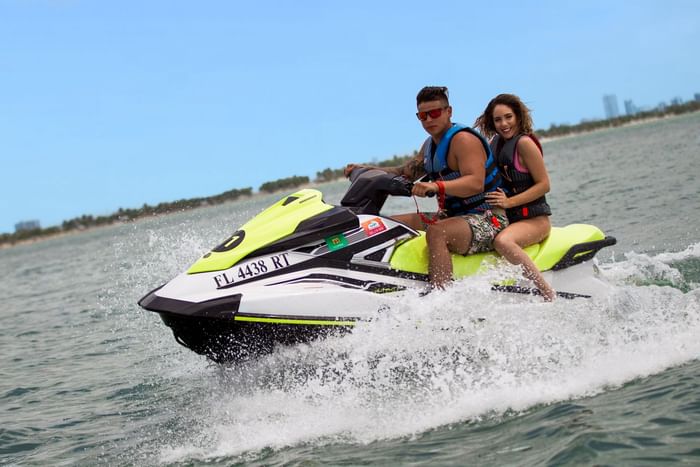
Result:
[435,163]
[516,181]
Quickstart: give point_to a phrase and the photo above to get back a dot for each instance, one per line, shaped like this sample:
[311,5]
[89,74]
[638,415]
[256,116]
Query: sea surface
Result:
[464,377]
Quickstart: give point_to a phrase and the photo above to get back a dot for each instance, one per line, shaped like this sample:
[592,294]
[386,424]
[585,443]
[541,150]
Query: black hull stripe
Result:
[343,281]
[533,291]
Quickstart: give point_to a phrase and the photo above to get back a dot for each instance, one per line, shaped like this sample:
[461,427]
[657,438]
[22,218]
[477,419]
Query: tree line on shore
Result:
[126,215]
[123,215]
[566,129]
[289,183]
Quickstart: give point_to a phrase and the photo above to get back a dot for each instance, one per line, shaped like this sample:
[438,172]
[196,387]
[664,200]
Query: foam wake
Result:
[458,355]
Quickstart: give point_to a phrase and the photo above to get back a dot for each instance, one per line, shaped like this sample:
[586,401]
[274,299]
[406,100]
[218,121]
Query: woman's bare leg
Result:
[511,241]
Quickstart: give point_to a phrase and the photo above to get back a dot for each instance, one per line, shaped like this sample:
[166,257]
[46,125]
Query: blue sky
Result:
[108,104]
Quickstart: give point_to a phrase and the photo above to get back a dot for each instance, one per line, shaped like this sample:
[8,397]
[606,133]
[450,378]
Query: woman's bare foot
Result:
[548,293]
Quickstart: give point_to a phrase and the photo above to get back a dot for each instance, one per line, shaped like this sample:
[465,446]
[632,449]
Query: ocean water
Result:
[465,377]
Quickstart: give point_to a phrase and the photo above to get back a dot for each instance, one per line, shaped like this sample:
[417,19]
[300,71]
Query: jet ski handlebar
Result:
[369,189]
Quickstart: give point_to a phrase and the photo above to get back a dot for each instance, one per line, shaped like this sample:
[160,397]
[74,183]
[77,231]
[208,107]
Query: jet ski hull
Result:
[235,340]
[219,329]
[252,319]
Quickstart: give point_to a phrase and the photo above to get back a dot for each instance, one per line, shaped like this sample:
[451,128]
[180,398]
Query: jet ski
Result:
[303,269]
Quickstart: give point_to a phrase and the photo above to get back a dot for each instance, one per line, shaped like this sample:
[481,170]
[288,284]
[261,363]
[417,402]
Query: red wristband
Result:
[441,187]
[441,193]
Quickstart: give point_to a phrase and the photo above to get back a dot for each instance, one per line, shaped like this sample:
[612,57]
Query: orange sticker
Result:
[373,226]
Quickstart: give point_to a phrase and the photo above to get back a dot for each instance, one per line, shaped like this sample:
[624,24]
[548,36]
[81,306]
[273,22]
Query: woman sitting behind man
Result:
[507,122]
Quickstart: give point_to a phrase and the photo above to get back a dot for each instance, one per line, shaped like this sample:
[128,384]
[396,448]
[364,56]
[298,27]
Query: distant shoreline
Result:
[575,131]
[65,233]
[641,121]
[41,238]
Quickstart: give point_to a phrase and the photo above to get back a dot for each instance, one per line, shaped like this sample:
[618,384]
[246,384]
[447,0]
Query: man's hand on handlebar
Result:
[424,189]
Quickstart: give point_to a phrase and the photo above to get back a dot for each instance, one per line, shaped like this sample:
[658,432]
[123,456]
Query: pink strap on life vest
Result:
[516,158]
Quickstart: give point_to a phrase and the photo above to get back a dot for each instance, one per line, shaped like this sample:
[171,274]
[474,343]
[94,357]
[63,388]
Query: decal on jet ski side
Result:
[250,269]
[232,242]
[336,242]
[373,226]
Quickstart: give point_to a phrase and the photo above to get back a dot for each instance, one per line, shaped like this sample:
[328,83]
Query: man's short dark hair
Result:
[433,93]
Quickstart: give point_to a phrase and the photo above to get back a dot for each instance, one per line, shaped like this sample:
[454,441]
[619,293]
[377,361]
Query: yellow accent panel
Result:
[412,255]
[308,322]
[275,222]
[561,239]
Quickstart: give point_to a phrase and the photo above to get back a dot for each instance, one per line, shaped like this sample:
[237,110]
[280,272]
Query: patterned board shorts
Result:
[485,227]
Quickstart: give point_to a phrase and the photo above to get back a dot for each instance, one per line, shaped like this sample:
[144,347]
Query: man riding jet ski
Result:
[303,268]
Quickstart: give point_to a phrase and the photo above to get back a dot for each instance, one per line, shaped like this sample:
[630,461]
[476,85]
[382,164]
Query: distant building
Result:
[27,225]
[610,104]
[630,108]
[697,96]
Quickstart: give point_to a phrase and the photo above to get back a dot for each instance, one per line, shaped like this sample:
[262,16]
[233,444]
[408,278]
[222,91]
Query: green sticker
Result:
[336,242]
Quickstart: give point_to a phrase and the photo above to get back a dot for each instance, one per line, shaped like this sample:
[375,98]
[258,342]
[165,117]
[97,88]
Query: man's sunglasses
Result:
[435,113]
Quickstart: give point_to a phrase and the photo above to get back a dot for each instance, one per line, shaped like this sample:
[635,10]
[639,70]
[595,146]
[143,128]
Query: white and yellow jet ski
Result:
[303,268]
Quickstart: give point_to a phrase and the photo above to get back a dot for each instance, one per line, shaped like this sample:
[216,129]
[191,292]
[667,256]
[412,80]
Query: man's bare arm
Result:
[469,156]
